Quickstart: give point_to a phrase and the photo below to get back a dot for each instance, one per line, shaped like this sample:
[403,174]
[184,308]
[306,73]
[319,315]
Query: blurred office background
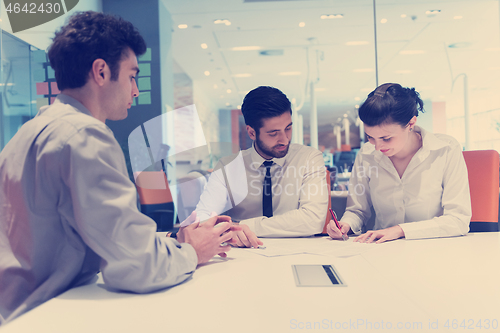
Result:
[325,55]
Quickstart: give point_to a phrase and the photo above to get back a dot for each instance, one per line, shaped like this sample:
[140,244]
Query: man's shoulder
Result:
[69,115]
[225,160]
[302,151]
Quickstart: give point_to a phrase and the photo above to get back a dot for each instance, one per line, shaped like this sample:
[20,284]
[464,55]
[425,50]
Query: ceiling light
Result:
[222,21]
[384,20]
[204,46]
[228,91]
[245,48]
[302,24]
[207,73]
[411,52]
[357,98]
[432,13]
[294,101]
[215,86]
[182,26]
[239,107]
[363,70]
[227,104]
[289,73]
[458,17]
[356,106]
[357,42]
[403,15]
[331,16]
[242,75]
[403,71]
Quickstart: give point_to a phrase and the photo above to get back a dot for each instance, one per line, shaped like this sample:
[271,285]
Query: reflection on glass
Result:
[15,106]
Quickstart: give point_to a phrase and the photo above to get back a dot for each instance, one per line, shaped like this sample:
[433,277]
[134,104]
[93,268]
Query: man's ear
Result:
[251,133]
[100,71]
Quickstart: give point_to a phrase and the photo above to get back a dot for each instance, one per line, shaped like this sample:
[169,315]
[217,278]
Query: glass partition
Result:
[449,51]
[16,86]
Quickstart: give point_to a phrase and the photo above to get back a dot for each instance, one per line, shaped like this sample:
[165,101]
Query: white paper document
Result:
[314,245]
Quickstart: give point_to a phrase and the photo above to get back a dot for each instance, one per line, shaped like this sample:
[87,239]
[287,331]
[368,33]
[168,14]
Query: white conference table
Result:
[435,285]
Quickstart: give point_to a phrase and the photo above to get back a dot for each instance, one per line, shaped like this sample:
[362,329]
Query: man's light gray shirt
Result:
[68,209]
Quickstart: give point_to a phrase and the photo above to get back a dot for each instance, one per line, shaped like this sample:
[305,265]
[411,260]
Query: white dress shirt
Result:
[68,209]
[300,198]
[431,199]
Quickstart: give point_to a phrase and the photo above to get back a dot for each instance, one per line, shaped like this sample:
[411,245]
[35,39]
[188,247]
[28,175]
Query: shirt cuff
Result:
[191,253]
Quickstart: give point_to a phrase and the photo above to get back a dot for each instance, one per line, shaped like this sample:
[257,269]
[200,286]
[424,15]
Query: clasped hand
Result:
[209,238]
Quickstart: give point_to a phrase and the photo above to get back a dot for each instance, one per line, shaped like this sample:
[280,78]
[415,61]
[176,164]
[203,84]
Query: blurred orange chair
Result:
[345,147]
[155,198]
[483,170]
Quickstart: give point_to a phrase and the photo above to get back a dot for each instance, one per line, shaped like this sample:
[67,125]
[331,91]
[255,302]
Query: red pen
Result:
[337,223]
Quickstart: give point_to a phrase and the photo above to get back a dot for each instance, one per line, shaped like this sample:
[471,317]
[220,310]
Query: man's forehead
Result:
[279,121]
[129,59]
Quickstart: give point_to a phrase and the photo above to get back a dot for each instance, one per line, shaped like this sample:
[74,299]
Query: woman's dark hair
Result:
[264,102]
[390,103]
[89,36]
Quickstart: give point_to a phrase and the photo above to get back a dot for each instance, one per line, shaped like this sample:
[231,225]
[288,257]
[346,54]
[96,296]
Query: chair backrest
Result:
[152,187]
[328,217]
[483,171]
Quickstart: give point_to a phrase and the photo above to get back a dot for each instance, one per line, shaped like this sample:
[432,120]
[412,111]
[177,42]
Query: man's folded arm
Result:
[134,257]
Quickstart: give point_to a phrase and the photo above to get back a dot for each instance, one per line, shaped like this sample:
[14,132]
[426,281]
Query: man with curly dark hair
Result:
[67,206]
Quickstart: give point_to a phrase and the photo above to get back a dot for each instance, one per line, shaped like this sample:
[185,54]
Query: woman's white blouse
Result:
[431,199]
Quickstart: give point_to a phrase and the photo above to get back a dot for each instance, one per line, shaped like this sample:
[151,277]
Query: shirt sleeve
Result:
[215,197]
[134,257]
[358,207]
[309,218]
[455,200]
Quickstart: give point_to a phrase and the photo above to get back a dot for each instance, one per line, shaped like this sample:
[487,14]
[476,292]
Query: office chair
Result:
[155,198]
[344,160]
[483,171]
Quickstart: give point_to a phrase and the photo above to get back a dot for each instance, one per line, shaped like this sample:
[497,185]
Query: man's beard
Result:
[269,151]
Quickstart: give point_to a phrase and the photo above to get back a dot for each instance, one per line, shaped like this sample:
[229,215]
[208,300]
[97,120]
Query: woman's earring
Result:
[411,129]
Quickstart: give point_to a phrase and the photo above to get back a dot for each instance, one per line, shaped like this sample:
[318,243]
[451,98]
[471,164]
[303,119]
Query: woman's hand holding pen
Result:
[335,233]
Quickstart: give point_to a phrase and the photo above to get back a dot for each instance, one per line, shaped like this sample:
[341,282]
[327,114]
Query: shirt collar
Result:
[258,160]
[65,99]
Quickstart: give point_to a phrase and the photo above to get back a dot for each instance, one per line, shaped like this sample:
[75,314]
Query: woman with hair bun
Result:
[415,180]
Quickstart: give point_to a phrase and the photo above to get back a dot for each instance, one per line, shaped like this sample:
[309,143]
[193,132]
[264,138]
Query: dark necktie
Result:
[267,195]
